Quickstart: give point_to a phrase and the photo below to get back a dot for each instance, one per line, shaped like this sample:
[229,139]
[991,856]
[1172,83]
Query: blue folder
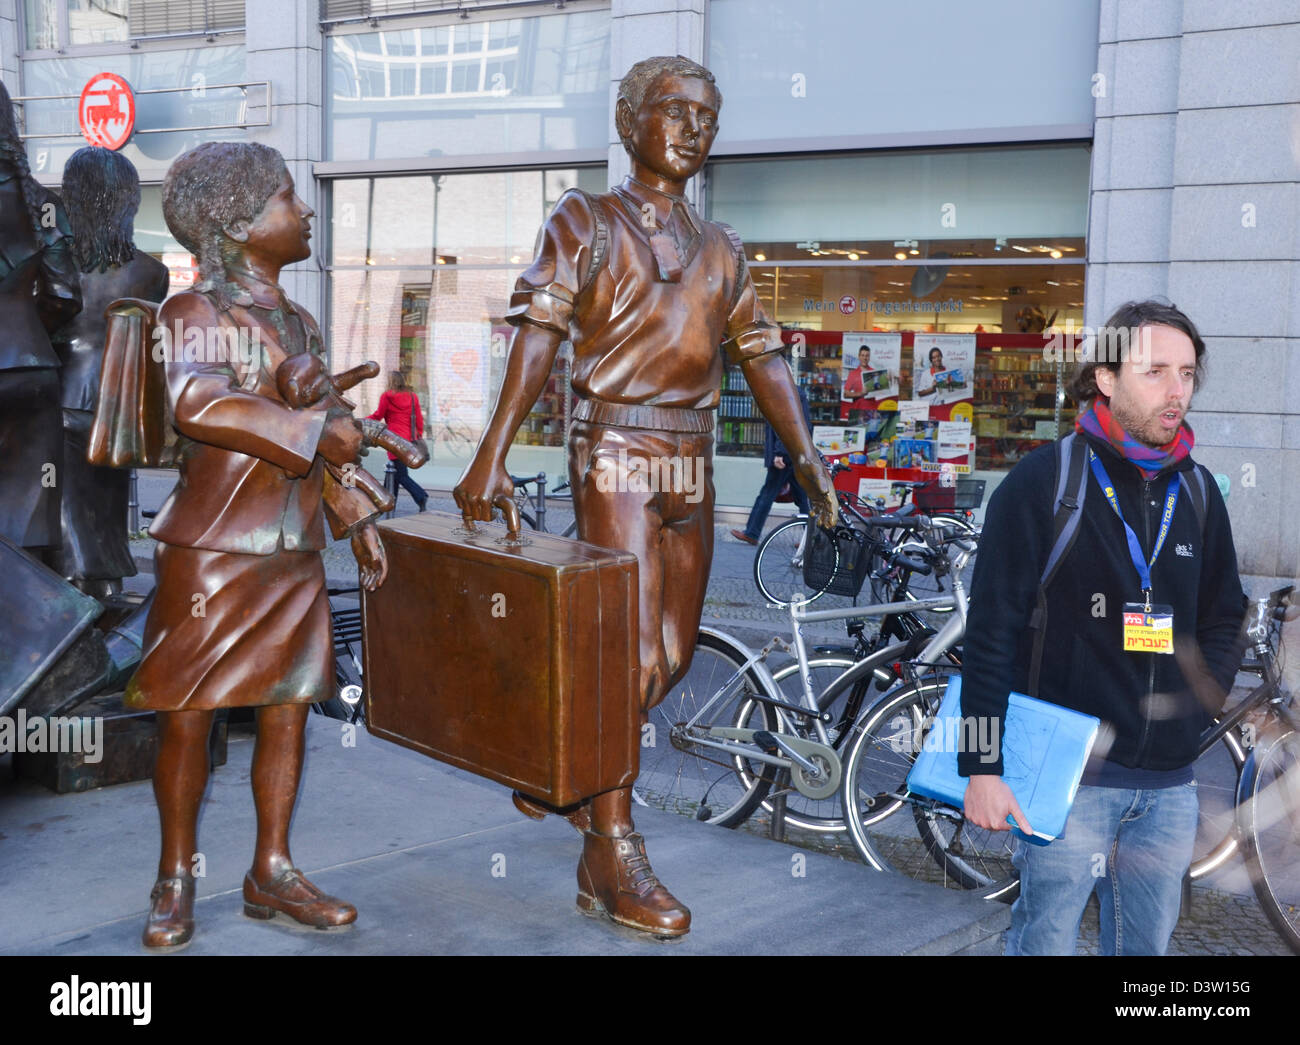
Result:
[1044,750]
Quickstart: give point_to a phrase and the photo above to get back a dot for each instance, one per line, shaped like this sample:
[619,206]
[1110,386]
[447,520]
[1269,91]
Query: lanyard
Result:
[1134,548]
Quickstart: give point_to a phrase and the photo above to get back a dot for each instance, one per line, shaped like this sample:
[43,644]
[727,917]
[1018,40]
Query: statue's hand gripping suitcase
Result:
[514,657]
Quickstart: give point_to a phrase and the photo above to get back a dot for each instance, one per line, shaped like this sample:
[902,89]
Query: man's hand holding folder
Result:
[989,802]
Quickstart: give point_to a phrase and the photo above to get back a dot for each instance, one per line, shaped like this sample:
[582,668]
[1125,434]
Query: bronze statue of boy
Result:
[647,292]
[240,616]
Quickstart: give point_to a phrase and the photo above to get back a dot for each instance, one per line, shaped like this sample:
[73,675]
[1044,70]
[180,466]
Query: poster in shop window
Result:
[869,367]
[943,370]
[943,375]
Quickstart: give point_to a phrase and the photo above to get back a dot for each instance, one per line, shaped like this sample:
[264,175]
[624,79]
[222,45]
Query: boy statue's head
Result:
[667,115]
[214,190]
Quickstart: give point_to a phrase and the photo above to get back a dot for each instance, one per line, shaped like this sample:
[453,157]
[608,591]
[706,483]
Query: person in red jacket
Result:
[397,406]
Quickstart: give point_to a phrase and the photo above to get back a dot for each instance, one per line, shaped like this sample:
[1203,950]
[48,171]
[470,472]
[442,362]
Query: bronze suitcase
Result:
[516,659]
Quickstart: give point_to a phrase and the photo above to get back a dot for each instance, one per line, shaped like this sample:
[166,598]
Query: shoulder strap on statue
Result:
[131,428]
[738,250]
[599,241]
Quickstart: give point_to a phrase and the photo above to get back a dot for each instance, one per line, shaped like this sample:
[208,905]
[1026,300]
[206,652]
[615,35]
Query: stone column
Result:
[1195,196]
[283,46]
[643,29]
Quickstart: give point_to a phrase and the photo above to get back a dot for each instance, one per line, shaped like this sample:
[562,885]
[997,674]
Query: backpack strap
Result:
[1197,493]
[1070,490]
[599,242]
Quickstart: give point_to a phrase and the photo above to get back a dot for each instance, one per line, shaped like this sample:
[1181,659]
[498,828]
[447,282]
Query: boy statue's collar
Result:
[663,202]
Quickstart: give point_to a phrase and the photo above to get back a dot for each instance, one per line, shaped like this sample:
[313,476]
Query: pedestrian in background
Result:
[780,474]
[399,408]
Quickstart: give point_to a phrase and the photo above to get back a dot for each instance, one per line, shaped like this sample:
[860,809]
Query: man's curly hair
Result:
[211,187]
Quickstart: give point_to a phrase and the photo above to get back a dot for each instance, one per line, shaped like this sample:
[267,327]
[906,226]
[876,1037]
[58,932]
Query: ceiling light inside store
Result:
[914,252]
[760,257]
[901,256]
[1056,253]
[853,257]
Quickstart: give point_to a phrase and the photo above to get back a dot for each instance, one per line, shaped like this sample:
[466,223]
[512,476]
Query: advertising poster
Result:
[834,441]
[955,446]
[869,368]
[943,374]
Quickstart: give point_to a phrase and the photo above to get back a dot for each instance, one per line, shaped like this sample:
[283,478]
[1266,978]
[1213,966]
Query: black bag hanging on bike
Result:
[836,563]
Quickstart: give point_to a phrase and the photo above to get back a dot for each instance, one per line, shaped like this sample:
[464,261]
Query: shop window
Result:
[421,272]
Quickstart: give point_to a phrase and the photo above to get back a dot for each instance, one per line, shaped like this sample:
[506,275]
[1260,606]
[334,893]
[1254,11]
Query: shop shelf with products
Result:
[741,428]
[544,425]
[1019,401]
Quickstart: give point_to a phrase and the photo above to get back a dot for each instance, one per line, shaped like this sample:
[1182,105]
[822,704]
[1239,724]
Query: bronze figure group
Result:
[654,300]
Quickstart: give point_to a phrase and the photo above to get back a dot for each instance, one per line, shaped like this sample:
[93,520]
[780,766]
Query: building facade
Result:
[922,192]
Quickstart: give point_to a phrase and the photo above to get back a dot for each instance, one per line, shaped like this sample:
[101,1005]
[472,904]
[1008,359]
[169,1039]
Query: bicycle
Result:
[532,507]
[782,559]
[347,703]
[730,712]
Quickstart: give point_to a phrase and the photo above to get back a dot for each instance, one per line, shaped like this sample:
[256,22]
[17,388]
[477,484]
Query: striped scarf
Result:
[1099,421]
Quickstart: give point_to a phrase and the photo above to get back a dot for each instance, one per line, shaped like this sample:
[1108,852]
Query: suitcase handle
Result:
[508,508]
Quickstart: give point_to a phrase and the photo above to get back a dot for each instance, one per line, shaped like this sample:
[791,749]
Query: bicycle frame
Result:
[739,742]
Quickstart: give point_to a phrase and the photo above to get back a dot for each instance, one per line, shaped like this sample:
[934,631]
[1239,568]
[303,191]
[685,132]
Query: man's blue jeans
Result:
[1133,847]
[776,478]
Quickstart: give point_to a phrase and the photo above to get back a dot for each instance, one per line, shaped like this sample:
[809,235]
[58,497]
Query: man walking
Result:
[780,473]
[1153,542]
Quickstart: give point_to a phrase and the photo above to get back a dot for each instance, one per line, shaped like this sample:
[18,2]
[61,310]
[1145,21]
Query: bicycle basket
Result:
[838,564]
[966,494]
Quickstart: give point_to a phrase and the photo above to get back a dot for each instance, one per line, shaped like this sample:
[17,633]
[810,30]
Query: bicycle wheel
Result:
[1269,816]
[948,851]
[688,778]
[778,564]
[1216,772]
[811,814]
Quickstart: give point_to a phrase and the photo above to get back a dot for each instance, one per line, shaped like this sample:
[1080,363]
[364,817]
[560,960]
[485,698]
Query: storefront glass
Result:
[521,85]
[199,71]
[945,267]
[421,271]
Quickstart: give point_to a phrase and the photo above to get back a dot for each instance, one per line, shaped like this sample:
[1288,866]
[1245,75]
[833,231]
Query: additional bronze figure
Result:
[647,292]
[38,293]
[102,194]
[240,616]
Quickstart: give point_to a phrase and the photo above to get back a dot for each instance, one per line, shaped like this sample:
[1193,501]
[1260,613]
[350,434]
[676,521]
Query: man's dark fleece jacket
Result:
[1152,706]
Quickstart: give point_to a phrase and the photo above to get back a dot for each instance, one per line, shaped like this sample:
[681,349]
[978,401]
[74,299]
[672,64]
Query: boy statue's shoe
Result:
[615,879]
[171,913]
[290,893]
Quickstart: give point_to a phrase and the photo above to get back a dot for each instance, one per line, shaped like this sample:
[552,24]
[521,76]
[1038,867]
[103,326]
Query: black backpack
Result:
[1070,490]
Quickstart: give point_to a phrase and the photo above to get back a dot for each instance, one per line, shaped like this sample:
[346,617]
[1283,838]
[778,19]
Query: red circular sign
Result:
[847,304]
[106,111]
